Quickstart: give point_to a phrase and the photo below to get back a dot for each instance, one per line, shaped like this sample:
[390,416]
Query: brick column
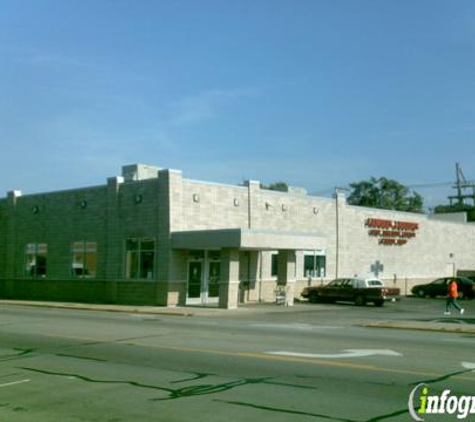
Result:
[253,275]
[229,285]
[171,285]
[253,211]
[114,247]
[12,261]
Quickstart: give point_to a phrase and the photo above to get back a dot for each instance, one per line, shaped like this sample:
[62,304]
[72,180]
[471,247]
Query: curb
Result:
[104,308]
[429,326]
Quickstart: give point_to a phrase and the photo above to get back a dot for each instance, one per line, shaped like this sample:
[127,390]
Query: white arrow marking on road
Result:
[469,365]
[349,353]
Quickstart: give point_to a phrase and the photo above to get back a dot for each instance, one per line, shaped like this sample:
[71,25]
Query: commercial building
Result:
[153,237]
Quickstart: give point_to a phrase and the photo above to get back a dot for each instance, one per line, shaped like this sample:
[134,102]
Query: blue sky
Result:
[318,93]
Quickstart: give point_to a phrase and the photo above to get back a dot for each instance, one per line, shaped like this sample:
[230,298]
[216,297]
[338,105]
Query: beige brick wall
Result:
[155,207]
[207,206]
[436,246]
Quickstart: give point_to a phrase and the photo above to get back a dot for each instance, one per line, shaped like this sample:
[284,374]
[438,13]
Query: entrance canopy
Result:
[246,239]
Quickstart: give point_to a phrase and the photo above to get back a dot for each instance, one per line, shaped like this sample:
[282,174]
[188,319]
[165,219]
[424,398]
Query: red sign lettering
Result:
[391,232]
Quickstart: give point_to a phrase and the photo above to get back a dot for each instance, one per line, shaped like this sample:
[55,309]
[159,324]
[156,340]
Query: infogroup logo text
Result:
[444,403]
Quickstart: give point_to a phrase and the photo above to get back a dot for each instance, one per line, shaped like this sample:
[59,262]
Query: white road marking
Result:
[469,365]
[303,327]
[458,340]
[8,384]
[349,353]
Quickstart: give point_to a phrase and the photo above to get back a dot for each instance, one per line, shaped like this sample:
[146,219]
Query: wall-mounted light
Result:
[138,198]
[83,204]
[196,197]
[236,202]
[284,207]
[316,210]
[35,209]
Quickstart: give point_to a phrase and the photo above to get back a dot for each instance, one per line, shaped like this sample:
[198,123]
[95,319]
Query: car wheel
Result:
[313,297]
[421,293]
[360,300]
[378,303]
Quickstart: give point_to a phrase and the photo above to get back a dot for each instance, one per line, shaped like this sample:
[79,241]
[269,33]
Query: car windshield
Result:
[337,282]
[439,281]
[375,283]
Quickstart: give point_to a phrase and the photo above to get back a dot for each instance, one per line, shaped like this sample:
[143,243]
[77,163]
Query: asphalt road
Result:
[266,363]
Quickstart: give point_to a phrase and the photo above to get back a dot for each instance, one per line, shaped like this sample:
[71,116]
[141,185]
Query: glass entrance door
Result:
[213,279]
[195,276]
[204,274]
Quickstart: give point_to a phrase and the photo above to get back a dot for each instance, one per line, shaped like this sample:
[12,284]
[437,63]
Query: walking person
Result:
[452,295]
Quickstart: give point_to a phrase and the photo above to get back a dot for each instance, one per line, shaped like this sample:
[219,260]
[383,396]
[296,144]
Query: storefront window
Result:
[35,257]
[139,258]
[84,259]
[314,264]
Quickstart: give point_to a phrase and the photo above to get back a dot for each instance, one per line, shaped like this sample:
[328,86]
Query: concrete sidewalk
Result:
[186,311]
[158,310]
[455,326]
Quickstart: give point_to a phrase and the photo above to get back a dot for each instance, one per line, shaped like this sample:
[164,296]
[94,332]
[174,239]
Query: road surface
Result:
[306,363]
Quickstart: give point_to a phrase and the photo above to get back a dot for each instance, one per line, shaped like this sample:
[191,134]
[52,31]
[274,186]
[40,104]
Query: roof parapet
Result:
[136,172]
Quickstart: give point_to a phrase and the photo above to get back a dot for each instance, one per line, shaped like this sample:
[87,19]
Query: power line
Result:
[430,185]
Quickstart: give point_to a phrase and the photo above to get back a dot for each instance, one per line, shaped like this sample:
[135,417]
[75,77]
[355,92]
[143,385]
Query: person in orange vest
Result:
[452,295]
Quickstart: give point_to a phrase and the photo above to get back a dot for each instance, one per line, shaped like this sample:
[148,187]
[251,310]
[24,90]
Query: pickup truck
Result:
[359,291]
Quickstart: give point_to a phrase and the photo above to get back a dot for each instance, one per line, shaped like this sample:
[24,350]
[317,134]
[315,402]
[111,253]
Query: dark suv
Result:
[466,288]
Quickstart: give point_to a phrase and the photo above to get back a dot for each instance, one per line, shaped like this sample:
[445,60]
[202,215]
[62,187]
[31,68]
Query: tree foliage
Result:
[279,186]
[385,194]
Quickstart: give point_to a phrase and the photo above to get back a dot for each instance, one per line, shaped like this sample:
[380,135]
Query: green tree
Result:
[385,194]
[279,186]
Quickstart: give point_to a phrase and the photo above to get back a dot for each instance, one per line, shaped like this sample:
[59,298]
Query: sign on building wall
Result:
[391,232]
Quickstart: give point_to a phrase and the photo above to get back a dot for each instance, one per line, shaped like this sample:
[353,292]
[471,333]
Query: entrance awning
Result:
[246,239]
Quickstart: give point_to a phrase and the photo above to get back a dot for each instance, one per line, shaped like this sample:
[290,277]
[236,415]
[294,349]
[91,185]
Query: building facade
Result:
[153,237]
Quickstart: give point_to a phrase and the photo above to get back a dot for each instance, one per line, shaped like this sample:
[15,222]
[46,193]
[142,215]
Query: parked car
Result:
[359,291]
[466,288]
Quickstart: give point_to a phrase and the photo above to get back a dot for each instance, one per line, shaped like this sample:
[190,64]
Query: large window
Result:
[314,264]
[139,258]
[35,259]
[84,259]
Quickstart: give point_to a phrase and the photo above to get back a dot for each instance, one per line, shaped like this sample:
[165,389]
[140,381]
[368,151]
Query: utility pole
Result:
[461,184]
[460,177]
